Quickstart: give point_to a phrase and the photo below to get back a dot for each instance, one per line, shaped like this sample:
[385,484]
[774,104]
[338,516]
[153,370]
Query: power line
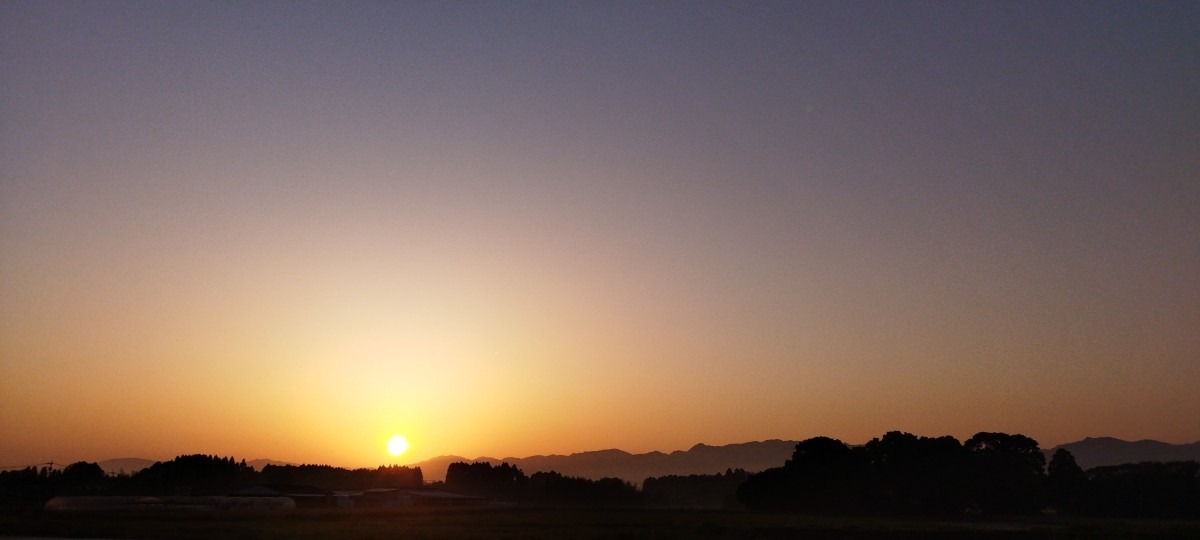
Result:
[20,467]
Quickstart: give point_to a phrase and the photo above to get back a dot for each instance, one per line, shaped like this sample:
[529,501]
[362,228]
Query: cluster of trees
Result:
[507,482]
[695,490]
[990,473]
[337,478]
[191,475]
[34,485]
[196,474]
[1151,489]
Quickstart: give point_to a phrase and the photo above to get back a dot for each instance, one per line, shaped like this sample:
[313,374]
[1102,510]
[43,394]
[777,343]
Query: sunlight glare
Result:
[397,445]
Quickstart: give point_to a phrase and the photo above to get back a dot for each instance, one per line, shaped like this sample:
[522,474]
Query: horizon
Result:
[301,230]
[417,463]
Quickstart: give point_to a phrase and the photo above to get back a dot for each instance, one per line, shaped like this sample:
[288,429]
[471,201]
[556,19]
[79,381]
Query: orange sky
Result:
[288,232]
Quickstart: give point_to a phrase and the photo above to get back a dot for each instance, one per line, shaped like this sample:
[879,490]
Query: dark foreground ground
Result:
[527,523]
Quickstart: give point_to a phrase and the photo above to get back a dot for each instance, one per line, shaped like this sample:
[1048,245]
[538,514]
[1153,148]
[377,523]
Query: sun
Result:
[397,445]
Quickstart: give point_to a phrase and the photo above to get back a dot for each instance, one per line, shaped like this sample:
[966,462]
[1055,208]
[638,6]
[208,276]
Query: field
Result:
[528,523]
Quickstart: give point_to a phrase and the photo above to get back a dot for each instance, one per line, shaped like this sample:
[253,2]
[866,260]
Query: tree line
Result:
[192,475]
[896,474]
[507,482]
[694,490]
[339,479]
[990,473]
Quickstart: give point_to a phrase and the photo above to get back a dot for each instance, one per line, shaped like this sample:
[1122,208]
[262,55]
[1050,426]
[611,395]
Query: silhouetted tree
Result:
[1066,481]
[913,474]
[82,478]
[823,475]
[1007,472]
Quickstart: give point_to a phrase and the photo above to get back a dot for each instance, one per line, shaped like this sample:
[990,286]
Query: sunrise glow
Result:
[288,231]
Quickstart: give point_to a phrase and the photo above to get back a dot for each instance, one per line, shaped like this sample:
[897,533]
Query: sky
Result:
[289,230]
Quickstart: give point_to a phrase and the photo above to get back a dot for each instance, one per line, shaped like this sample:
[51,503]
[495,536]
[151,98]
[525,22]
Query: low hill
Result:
[258,464]
[699,459]
[434,469]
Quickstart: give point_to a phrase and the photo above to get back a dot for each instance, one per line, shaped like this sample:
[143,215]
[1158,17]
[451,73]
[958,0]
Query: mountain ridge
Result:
[1091,452]
[701,458]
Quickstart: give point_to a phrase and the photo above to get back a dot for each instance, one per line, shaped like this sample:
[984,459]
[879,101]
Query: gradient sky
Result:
[291,229]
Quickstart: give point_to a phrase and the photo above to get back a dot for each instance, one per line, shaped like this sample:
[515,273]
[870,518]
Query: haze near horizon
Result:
[506,229]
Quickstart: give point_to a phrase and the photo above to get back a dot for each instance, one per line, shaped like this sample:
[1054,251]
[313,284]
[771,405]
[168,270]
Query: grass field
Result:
[529,523]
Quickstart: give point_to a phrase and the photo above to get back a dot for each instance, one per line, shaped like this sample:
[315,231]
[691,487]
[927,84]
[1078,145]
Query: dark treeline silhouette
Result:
[694,490]
[502,481]
[990,473]
[1150,489]
[191,475]
[507,482]
[34,485]
[336,478]
[896,474]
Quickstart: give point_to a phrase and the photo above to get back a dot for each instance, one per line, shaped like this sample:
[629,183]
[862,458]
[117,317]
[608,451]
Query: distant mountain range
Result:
[705,459]
[699,459]
[758,456]
[1103,451]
